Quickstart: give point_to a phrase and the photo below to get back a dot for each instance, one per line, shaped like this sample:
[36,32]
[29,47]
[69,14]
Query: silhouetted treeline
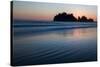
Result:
[71,18]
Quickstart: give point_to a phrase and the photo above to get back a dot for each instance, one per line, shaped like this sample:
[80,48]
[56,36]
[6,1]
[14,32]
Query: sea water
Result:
[46,43]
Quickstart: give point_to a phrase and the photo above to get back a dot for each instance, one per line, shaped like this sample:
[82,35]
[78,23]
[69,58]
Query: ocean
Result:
[53,42]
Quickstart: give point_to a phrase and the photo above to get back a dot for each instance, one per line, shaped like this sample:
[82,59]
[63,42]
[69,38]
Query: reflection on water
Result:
[58,46]
[61,34]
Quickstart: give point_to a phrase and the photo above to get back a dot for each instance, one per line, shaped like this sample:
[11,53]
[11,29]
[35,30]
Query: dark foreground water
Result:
[54,46]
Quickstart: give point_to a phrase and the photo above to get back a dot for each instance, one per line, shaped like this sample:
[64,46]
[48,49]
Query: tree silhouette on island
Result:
[70,18]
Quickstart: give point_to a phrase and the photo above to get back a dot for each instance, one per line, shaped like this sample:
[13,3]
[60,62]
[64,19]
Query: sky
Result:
[46,11]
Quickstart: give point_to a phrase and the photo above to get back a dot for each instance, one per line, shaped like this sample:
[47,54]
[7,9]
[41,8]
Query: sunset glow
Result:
[46,11]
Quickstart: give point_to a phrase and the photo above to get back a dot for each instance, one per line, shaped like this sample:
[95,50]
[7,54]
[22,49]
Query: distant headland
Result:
[71,18]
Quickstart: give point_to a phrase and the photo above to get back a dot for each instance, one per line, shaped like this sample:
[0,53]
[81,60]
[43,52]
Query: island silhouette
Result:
[71,18]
